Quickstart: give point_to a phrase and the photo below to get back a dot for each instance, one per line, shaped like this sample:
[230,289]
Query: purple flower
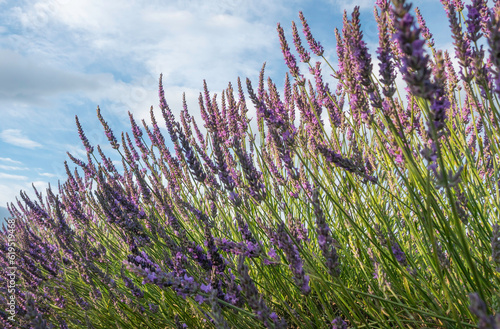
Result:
[340,48]
[136,291]
[494,45]
[399,254]
[206,288]
[423,28]
[273,259]
[339,323]
[304,55]
[79,300]
[451,75]
[191,159]
[315,46]
[476,18]
[359,51]
[326,98]
[253,297]
[293,257]
[256,187]
[414,61]
[137,132]
[480,310]
[109,133]
[439,100]
[213,253]
[153,308]
[83,138]
[462,45]
[346,164]
[384,52]
[200,299]
[198,254]
[108,164]
[281,133]
[289,58]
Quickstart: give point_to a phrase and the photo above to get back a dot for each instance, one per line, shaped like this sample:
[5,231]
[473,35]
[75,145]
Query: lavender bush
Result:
[369,208]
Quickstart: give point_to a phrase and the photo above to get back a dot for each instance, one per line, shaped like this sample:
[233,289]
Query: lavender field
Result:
[363,204]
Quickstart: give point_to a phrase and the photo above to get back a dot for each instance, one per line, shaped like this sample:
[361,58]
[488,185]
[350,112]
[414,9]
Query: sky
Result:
[61,58]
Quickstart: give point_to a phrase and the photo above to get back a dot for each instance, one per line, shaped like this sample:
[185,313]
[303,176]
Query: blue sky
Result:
[61,58]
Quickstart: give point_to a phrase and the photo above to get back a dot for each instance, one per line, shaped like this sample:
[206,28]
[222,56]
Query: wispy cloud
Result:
[46,174]
[9,160]
[9,189]
[13,177]
[188,41]
[25,79]
[15,137]
[4,167]
[349,5]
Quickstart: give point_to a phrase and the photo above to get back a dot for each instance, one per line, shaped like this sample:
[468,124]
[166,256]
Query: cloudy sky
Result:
[61,58]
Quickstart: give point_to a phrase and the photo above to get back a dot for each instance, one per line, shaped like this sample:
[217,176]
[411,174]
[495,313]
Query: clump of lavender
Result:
[218,226]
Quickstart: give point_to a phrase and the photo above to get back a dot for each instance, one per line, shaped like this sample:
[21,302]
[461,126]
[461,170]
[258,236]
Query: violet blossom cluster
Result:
[197,224]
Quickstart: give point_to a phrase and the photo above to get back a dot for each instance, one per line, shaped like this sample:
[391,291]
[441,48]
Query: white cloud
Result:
[370,4]
[26,79]
[10,160]
[4,167]
[45,174]
[15,137]
[41,186]
[9,190]
[13,177]
[77,151]
[187,41]
[350,4]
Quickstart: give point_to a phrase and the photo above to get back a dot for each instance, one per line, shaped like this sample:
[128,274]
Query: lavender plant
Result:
[373,208]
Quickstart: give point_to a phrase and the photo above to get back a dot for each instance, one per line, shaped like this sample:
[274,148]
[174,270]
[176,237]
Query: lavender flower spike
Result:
[289,58]
[424,29]
[304,55]
[474,20]
[194,164]
[315,46]
[494,45]
[414,66]
[293,257]
[107,130]
[480,310]
[84,139]
[346,164]
[385,56]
